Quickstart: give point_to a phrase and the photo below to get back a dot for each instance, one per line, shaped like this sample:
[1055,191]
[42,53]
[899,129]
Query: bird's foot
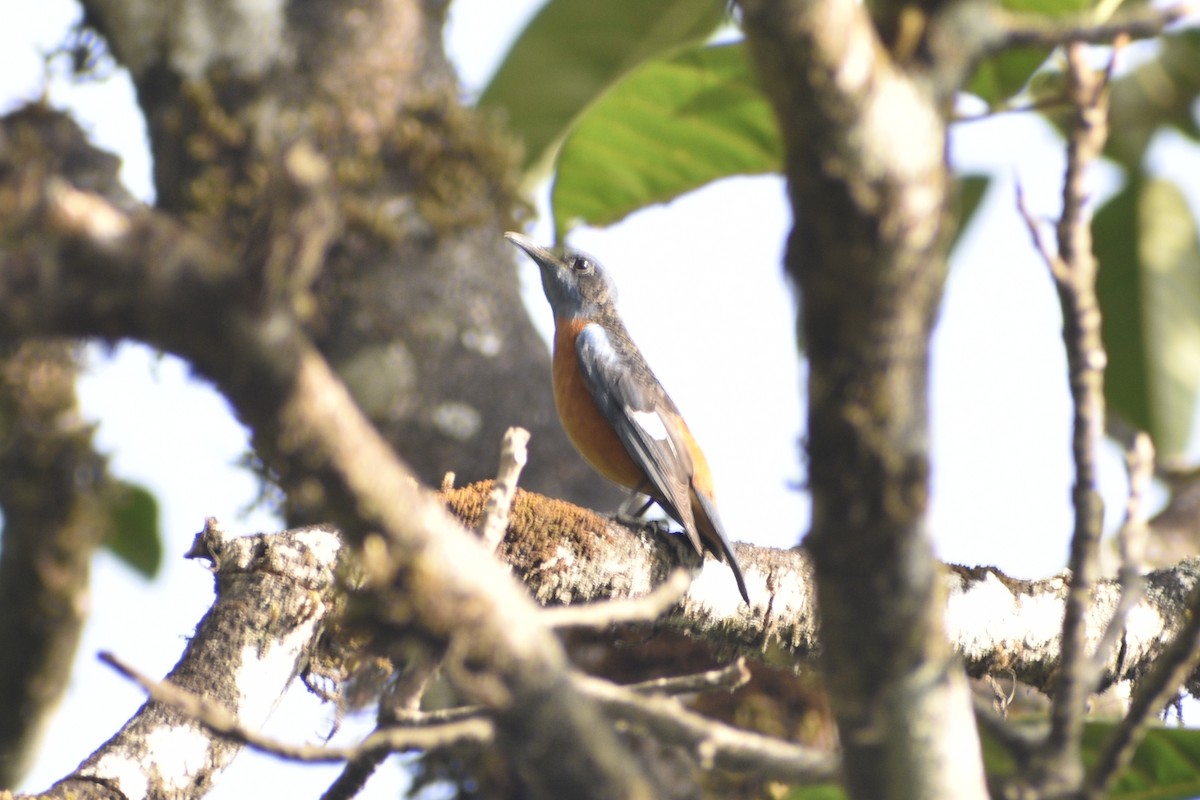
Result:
[656,526]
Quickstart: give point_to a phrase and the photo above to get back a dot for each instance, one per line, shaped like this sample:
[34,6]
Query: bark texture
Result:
[326,142]
[55,493]
[865,145]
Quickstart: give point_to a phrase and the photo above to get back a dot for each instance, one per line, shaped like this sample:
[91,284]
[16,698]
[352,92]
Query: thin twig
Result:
[715,743]
[1002,699]
[404,693]
[731,677]
[411,718]
[513,455]
[1029,30]
[354,776]
[1135,532]
[1086,360]
[1035,233]
[1042,104]
[217,719]
[1074,272]
[1132,542]
[601,615]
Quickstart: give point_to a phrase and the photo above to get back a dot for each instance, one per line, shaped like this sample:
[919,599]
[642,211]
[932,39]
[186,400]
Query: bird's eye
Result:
[580,264]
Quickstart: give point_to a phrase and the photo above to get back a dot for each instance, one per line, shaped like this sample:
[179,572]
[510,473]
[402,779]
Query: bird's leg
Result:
[624,511]
[636,518]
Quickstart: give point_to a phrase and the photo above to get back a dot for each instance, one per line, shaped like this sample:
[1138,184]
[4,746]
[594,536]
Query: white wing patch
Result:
[596,338]
[653,425]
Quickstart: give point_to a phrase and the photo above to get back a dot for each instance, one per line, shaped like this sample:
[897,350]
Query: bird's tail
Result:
[712,533]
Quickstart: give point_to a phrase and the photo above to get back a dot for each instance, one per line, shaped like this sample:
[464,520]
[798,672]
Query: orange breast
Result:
[586,427]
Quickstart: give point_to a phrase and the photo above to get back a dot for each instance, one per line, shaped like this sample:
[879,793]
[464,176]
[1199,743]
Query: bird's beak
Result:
[541,256]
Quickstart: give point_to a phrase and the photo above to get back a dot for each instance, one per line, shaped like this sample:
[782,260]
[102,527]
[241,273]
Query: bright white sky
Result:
[1000,404]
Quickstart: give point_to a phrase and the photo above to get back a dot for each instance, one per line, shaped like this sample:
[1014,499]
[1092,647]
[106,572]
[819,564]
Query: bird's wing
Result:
[632,401]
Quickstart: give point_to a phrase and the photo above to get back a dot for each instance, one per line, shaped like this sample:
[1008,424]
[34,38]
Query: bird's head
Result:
[575,283]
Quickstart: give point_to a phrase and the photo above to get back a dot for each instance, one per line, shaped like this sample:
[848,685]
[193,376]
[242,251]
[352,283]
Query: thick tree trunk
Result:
[388,240]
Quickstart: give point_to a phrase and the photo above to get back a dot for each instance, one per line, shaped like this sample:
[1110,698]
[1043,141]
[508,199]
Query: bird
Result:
[613,408]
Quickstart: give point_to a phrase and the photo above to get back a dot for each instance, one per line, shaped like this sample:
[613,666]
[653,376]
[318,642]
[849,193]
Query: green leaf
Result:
[1160,92]
[1001,77]
[998,761]
[671,126]
[1166,765]
[133,533]
[1122,307]
[1170,261]
[573,50]
[1048,8]
[1149,291]
[971,191]
[824,792]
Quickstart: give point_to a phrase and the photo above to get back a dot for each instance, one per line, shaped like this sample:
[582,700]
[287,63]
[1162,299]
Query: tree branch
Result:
[274,594]
[999,624]
[543,530]
[1074,272]
[996,622]
[865,144]
[1037,30]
